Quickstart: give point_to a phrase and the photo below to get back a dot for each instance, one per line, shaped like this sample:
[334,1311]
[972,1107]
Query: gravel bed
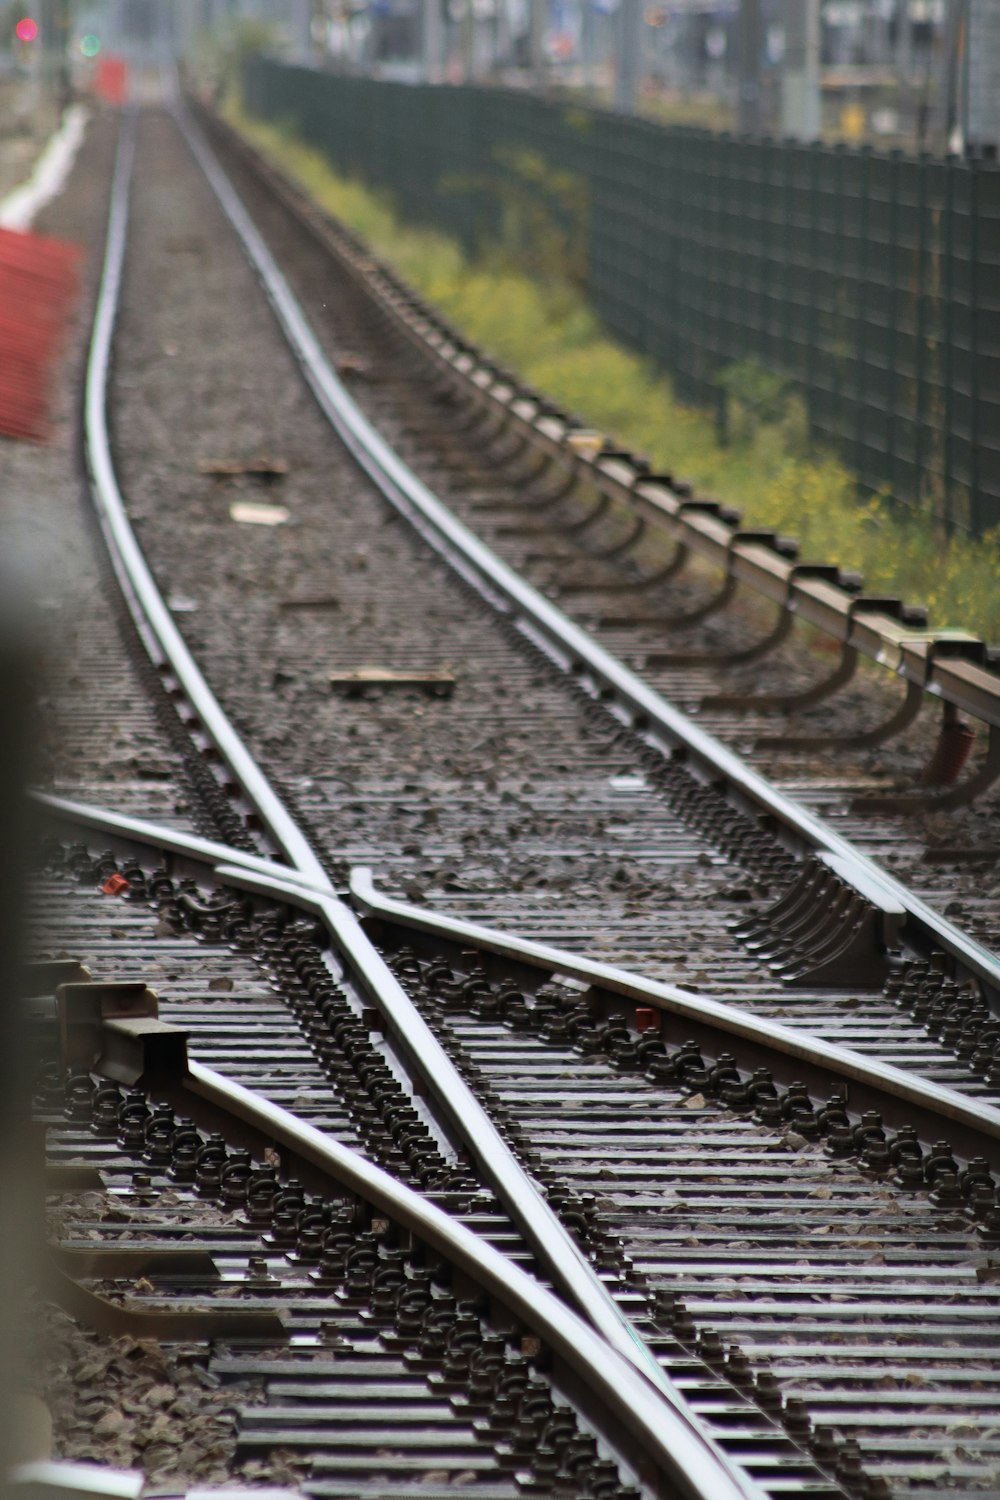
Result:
[136,1403]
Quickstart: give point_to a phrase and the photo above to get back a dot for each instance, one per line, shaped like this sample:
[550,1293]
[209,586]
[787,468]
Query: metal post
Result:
[952,117]
[880,50]
[43,69]
[750,43]
[977,510]
[982,75]
[800,92]
[904,41]
[467,42]
[431,40]
[502,56]
[627,73]
[301,29]
[537,17]
[588,42]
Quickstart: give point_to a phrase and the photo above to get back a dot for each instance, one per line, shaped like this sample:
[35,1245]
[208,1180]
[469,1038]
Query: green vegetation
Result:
[541,327]
[543,219]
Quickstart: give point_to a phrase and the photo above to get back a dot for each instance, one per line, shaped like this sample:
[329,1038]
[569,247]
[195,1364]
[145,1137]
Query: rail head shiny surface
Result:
[554,1247]
[268,879]
[140,833]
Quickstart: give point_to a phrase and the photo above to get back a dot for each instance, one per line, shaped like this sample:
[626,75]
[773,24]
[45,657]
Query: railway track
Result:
[651,891]
[790,1273]
[308,1268]
[628,701]
[515,468]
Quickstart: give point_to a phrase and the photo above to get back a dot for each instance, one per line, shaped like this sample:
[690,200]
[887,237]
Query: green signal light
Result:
[90,45]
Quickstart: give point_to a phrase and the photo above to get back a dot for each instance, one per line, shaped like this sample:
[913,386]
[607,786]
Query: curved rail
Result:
[685,1458]
[621,691]
[306,881]
[149,611]
[136,835]
[956,667]
[881,1083]
[869,1084]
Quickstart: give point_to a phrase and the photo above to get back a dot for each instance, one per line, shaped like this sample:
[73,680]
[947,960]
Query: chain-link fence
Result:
[870,280]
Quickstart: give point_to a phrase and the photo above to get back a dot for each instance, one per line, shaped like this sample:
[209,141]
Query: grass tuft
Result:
[544,330]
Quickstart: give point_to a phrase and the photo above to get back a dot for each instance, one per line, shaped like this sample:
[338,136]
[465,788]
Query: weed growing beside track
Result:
[544,330]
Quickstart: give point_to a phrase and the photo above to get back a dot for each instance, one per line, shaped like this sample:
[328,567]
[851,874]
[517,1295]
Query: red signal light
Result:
[26,29]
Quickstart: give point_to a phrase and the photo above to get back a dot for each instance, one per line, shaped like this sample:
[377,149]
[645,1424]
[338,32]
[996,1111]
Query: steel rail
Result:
[869,1084]
[146,604]
[681,1452]
[618,1361]
[265,878]
[623,693]
[134,834]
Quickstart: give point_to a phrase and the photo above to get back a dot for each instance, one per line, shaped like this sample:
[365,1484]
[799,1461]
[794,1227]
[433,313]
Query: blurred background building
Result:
[914,73]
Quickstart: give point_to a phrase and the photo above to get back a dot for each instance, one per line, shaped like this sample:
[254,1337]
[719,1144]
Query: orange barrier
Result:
[39,281]
[111,79]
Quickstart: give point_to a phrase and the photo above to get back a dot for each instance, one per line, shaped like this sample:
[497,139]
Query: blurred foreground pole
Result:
[20,1171]
[800,96]
[431,40]
[750,42]
[629,55]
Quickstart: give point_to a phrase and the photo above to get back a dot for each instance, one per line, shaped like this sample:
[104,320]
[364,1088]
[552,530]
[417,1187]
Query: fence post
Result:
[920,332]
[812,314]
[948,305]
[750,43]
[892,320]
[863,186]
[629,54]
[975,498]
